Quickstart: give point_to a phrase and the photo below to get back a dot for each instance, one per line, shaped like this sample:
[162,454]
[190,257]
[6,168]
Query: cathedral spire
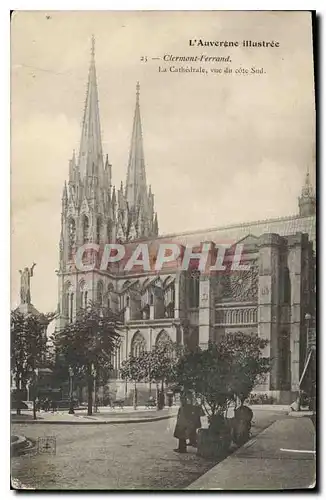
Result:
[64,195]
[90,152]
[307,189]
[136,190]
[307,200]
[155,226]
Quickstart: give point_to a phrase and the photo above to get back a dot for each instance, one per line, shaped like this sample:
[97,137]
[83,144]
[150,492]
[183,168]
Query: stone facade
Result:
[268,299]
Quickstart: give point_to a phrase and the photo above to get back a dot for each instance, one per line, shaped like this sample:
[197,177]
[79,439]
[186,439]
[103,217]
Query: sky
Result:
[219,148]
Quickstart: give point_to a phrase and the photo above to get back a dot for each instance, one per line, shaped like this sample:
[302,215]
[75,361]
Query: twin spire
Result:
[136,188]
[90,159]
[90,167]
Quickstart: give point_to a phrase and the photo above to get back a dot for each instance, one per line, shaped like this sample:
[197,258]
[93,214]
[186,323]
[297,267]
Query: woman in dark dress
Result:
[188,421]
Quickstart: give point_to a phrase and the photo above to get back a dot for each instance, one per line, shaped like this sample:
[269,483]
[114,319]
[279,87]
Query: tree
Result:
[204,373]
[248,363]
[155,366]
[28,347]
[161,364]
[87,345]
[222,372]
[135,369]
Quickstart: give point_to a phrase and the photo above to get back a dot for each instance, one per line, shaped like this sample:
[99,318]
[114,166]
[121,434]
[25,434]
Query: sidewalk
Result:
[107,415]
[103,416]
[280,457]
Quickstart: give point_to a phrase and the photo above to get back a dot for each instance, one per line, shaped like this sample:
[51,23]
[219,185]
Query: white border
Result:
[5,152]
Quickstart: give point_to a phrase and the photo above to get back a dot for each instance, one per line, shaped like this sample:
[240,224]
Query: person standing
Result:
[188,421]
[54,405]
[195,424]
[46,405]
[181,431]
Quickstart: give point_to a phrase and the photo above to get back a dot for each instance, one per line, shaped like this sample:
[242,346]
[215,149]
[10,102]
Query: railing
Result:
[236,316]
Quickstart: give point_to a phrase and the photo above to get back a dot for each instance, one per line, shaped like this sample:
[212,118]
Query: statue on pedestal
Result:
[25,284]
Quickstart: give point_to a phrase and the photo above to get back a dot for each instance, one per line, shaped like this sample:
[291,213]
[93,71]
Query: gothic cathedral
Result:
[271,299]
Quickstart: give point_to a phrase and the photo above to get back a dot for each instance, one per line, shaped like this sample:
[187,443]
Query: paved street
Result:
[125,456]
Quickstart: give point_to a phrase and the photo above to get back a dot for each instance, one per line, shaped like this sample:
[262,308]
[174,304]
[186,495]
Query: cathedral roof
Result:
[284,226]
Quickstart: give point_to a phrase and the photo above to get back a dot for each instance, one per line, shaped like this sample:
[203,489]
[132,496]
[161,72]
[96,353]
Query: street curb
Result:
[299,414]
[93,422]
[270,407]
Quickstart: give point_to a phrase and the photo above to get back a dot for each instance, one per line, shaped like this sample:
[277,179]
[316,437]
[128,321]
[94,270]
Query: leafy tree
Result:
[161,364]
[248,363]
[155,366]
[88,343]
[204,373]
[223,371]
[28,346]
[135,369]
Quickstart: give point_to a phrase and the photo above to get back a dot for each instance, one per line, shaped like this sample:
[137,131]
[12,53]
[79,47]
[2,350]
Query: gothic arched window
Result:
[108,296]
[66,299]
[83,294]
[163,340]
[109,231]
[194,289]
[71,307]
[85,229]
[98,229]
[169,300]
[121,302]
[99,293]
[126,285]
[71,236]
[68,302]
[138,344]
